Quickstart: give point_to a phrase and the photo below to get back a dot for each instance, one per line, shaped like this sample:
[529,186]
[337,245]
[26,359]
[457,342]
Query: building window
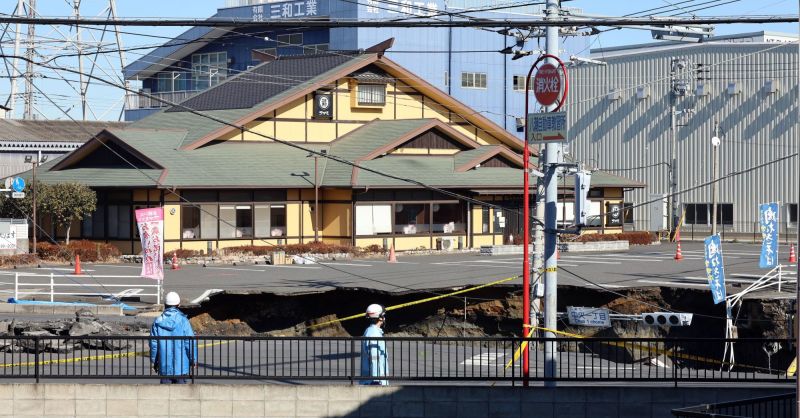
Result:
[372,94]
[473,80]
[94,226]
[315,49]
[411,218]
[373,219]
[499,221]
[485,219]
[448,218]
[119,221]
[290,39]
[209,69]
[627,212]
[208,221]
[700,214]
[236,221]
[190,222]
[519,83]
[792,215]
[270,221]
[167,81]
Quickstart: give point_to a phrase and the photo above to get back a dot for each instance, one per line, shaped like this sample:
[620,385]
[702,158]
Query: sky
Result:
[105,103]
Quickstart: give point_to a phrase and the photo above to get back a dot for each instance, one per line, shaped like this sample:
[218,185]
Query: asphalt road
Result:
[641,266]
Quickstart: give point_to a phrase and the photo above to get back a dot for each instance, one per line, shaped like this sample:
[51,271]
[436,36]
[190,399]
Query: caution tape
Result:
[417,302]
[91,358]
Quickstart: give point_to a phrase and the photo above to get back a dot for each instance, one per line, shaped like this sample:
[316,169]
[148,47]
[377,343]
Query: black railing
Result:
[409,359]
[778,406]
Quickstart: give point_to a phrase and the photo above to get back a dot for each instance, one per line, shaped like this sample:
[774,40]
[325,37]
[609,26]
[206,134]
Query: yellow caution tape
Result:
[792,368]
[551,269]
[90,358]
[417,302]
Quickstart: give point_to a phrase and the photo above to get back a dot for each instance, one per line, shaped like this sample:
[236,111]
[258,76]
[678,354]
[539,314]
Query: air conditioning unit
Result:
[447,243]
[667,319]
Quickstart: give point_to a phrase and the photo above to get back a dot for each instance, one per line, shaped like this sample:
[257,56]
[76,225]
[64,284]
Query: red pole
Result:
[526,239]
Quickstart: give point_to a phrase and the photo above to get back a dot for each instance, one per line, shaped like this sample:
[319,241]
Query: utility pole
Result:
[29,65]
[316,200]
[553,156]
[673,181]
[12,97]
[715,141]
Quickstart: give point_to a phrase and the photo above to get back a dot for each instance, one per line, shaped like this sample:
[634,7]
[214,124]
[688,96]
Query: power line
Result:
[422,23]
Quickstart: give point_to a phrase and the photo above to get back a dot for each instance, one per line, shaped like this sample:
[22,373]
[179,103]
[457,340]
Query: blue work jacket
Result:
[172,357]
[374,359]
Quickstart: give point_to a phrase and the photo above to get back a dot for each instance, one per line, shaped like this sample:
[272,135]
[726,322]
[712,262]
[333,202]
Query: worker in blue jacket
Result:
[173,357]
[374,358]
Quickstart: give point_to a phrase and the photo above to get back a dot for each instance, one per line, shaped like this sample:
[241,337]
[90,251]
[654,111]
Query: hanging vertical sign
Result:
[151,230]
[715,271]
[768,222]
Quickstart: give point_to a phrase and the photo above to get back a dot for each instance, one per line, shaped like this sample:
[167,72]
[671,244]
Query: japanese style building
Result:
[231,165]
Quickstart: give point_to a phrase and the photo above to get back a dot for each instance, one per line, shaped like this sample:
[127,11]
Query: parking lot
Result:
[641,266]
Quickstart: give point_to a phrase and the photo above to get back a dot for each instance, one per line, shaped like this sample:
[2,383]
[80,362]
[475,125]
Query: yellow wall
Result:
[292,219]
[172,223]
[336,219]
[308,219]
[479,240]
[366,242]
[411,243]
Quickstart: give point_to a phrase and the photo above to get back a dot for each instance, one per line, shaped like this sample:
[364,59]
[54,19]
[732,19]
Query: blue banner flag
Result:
[715,271]
[768,222]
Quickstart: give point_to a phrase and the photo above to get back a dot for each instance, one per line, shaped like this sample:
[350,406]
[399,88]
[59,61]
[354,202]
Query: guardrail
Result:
[82,288]
[409,359]
[778,406]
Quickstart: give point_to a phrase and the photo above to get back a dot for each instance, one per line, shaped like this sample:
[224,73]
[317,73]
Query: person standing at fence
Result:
[374,359]
[173,357]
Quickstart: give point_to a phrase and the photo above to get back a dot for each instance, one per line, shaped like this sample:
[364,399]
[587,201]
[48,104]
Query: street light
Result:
[715,141]
[34,162]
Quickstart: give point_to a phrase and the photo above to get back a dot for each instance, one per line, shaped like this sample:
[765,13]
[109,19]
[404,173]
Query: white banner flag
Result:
[151,230]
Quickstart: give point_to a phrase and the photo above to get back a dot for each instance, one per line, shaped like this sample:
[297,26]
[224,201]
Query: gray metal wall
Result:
[628,133]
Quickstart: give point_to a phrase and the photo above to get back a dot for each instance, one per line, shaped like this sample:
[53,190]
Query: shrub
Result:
[307,248]
[88,251]
[183,253]
[633,238]
[17,260]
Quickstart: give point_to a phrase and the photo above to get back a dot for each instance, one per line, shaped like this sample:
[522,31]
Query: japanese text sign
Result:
[151,230]
[768,222]
[715,271]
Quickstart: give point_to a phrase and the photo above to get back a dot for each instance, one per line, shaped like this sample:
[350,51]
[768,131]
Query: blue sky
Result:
[106,101]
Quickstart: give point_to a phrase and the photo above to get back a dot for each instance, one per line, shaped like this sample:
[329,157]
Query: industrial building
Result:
[620,113]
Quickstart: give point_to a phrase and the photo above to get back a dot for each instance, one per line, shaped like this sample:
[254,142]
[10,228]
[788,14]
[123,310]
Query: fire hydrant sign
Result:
[547,84]
[547,127]
[151,230]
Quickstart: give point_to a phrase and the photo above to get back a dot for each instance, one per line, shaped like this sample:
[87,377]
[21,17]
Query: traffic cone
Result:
[558,254]
[792,255]
[678,254]
[392,255]
[175,265]
[77,271]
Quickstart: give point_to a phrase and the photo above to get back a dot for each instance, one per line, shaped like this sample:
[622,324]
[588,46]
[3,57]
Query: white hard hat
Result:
[172,299]
[375,311]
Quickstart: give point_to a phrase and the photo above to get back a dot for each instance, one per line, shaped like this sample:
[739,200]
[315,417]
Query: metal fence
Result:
[778,406]
[56,287]
[409,359]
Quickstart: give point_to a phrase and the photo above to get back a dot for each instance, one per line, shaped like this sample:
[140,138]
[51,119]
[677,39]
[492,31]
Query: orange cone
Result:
[678,254]
[77,265]
[792,255]
[392,255]
[175,265]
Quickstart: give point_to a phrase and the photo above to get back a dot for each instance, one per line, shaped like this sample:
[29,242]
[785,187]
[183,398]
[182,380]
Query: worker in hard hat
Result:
[374,359]
[173,359]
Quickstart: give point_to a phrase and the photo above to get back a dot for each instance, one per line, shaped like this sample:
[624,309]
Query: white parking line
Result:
[347,264]
[119,266]
[704,279]
[582,261]
[61,269]
[244,269]
[663,283]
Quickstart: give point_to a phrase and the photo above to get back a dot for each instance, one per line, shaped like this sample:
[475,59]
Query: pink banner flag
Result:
[151,231]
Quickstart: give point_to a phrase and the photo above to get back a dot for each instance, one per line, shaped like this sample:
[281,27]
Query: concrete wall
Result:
[206,400]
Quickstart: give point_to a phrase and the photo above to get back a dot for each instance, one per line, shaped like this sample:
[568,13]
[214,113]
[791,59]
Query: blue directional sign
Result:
[18,184]
[715,269]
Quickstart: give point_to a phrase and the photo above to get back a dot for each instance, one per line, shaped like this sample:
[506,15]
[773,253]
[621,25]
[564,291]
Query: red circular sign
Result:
[547,85]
